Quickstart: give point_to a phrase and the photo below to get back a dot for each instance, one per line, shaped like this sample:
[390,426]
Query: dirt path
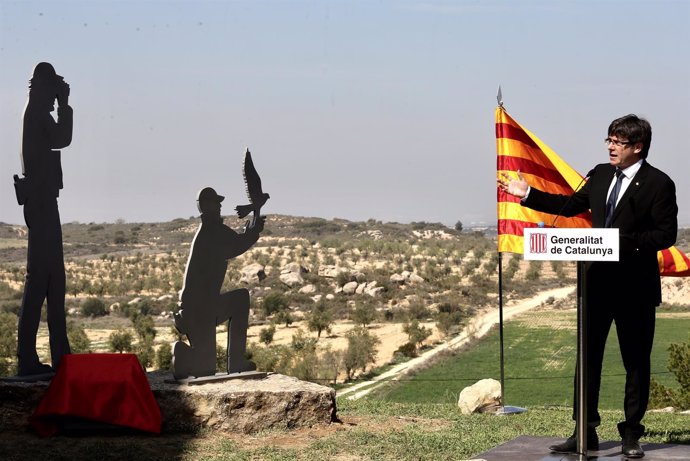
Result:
[478,327]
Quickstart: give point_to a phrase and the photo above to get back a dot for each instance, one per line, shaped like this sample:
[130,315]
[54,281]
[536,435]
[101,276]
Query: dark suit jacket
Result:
[646,216]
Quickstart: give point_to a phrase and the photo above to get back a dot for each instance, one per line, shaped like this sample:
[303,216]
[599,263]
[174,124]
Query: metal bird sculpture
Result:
[252,181]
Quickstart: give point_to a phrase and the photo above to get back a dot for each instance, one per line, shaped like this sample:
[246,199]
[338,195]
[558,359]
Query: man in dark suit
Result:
[629,194]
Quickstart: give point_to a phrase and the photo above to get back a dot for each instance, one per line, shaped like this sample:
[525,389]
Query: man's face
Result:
[622,154]
[210,207]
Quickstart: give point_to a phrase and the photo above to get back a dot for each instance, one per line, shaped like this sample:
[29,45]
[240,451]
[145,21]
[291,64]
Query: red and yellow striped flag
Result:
[673,263]
[518,149]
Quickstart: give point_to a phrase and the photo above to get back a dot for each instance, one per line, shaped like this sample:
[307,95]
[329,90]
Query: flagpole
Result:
[500,323]
[503,409]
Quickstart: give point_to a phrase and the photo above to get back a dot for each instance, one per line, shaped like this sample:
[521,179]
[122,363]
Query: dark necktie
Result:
[613,198]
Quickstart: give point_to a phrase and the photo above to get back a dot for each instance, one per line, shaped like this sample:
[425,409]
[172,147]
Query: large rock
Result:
[246,406]
[481,397]
[294,268]
[360,288]
[350,287]
[308,289]
[397,278]
[252,273]
[330,271]
[241,406]
[372,290]
[414,278]
[405,277]
[291,279]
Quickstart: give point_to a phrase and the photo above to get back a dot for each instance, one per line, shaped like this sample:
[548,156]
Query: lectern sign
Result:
[571,244]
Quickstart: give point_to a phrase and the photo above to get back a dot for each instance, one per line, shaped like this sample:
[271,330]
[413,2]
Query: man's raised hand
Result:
[516,187]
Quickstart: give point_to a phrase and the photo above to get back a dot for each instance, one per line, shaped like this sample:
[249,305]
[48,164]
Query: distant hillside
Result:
[82,239]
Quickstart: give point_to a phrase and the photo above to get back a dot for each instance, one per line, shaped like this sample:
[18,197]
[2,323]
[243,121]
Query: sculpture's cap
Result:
[209,194]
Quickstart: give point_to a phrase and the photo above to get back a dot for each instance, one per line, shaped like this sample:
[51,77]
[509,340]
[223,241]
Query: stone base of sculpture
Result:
[237,406]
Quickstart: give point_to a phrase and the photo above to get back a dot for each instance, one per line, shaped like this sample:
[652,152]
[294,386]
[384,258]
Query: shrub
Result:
[274,302]
[164,357]
[449,323]
[144,307]
[145,352]
[407,350]
[361,350]
[417,311]
[144,327]
[364,314]
[679,365]
[284,316]
[79,343]
[320,318]
[557,267]
[533,271]
[8,343]
[93,307]
[221,359]
[416,332]
[120,341]
[305,365]
[12,307]
[266,334]
[272,358]
[7,292]
[301,341]
[491,264]
[513,266]
[330,365]
[343,277]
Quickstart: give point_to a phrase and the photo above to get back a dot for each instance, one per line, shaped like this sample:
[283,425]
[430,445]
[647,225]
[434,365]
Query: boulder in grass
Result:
[481,397]
[293,268]
[308,289]
[253,273]
[291,279]
[350,288]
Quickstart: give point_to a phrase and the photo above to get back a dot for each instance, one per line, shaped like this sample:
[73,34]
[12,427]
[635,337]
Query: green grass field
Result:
[371,430]
[540,350]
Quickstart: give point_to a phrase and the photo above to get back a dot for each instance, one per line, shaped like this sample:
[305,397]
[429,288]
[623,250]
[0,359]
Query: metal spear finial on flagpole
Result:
[499,97]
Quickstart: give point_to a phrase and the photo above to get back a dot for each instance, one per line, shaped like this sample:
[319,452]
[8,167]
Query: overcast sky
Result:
[352,109]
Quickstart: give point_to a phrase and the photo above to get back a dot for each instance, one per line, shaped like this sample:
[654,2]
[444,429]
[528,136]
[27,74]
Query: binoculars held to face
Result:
[61,90]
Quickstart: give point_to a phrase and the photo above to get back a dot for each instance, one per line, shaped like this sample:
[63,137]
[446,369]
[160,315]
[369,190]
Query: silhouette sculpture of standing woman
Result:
[38,191]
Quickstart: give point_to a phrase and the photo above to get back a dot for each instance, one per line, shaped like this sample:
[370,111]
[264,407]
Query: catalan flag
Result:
[518,149]
[673,263]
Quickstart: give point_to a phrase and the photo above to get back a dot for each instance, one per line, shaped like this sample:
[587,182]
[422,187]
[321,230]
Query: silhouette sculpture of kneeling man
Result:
[203,306]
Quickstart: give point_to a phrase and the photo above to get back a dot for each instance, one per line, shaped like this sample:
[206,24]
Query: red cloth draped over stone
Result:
[106,388]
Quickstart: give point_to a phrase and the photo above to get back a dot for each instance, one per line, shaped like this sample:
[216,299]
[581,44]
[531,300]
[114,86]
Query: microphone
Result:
[558,215]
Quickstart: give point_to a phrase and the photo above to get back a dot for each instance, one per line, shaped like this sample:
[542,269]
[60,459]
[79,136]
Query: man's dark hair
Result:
[634,129]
